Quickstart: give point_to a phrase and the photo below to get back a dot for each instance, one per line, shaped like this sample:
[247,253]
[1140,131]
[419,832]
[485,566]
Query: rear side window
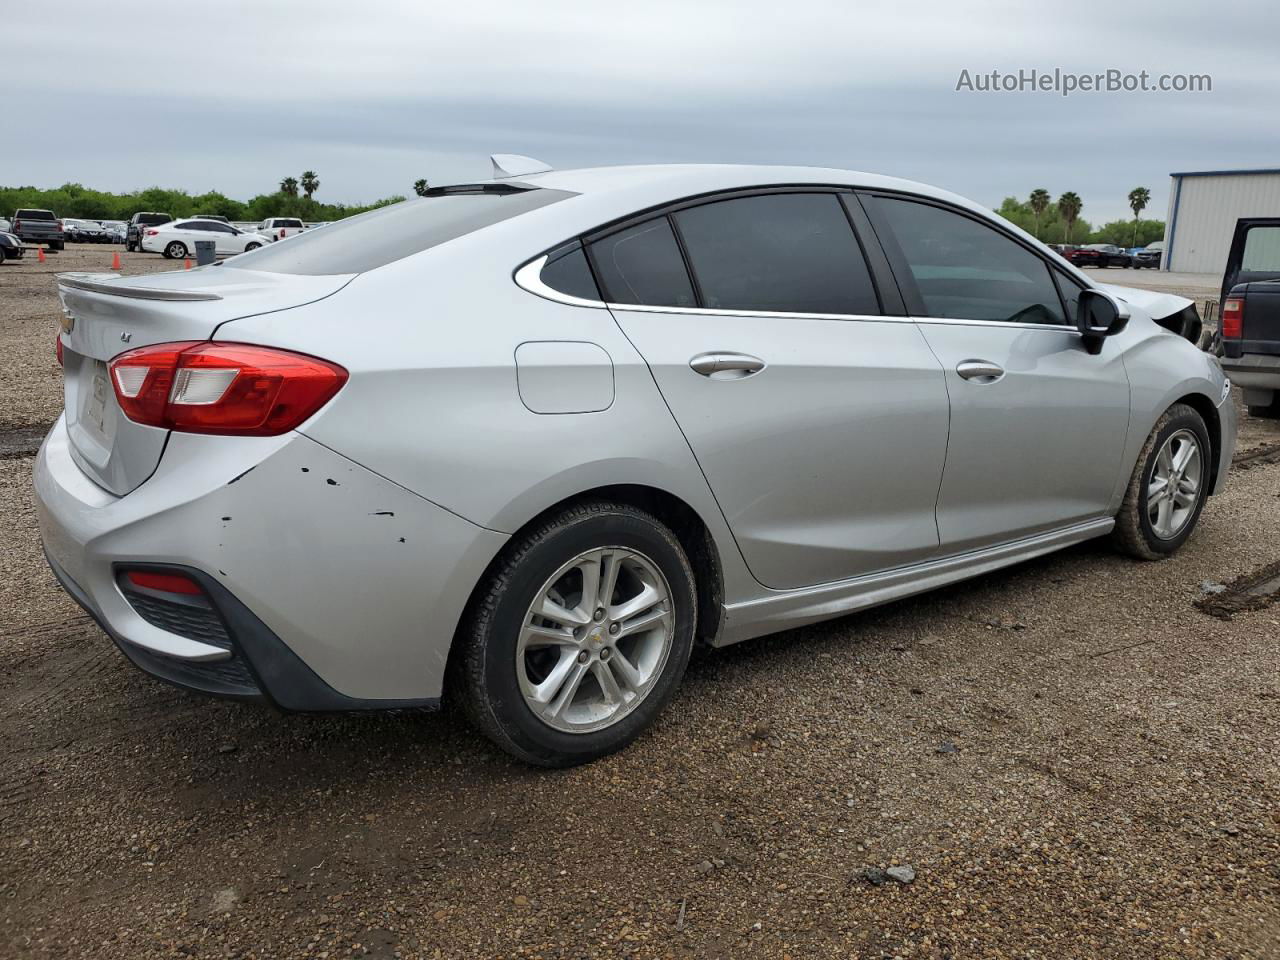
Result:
[966,270]
[643,265]
[1261,250]
[781,253]
[567,271]
[392,233]
[34,215]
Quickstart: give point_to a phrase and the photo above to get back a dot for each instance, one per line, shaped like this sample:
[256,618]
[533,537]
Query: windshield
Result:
[34,215]
[400,230]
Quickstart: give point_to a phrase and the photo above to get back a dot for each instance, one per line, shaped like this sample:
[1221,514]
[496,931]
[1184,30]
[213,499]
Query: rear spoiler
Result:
[108,284]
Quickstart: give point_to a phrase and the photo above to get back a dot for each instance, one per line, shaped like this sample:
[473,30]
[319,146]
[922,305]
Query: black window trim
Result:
[906,282]
[527,275]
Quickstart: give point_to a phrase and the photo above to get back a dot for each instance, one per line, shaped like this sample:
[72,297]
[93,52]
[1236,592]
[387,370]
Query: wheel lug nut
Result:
[583,657]
[613,629]
[577,633]
[605,653]
[599,614]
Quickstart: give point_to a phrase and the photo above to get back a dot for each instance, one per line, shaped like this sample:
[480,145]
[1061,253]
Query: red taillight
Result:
[152,233]
[165,582]
[1233,318]
[17,225]
[281,233]
[57,224]
[57,349]
[228,388]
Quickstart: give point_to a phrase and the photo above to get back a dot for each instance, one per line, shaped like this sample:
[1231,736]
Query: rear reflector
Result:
[224,388]
[57,348]
[164,582]
[1233,318]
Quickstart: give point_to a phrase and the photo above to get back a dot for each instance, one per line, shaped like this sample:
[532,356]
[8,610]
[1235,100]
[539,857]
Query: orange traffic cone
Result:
[115,260]
[40,254]
[186,264]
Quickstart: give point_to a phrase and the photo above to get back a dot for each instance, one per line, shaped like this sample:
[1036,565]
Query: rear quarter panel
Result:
[433,402]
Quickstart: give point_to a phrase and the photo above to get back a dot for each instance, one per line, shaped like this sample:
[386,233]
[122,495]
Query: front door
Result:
[820,425]
[1038,423]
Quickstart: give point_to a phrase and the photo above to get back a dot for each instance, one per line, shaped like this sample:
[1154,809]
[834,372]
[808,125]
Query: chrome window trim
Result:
[529,278]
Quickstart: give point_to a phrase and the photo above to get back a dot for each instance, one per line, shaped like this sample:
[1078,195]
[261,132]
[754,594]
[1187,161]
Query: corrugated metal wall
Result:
[1207,210]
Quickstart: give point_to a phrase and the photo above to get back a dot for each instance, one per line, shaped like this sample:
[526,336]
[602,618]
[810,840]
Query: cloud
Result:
[375,94]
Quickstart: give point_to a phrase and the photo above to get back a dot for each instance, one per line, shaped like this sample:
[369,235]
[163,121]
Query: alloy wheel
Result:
[1174,488]
[595,639]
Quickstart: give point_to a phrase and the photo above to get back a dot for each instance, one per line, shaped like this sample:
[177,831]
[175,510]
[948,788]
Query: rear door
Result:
[818,418]
[1038,424]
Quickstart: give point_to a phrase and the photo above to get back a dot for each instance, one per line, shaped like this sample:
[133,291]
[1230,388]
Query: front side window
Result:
[643,265]
[966,270]
[1261,249]
[778,253]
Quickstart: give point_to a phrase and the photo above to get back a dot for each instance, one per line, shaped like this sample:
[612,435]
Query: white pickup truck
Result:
[278,228]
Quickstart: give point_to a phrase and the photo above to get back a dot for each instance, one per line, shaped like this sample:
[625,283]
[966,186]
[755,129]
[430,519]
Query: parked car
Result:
[117,232]
[560,428]
[280,228]
[1100,255]
[83,231]
[178,239]
[39,226]
[1250,313]
[139,222]
[1149,256]
[10,247]
[5,226]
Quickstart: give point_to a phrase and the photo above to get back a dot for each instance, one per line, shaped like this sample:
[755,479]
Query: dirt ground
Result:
[1074,759]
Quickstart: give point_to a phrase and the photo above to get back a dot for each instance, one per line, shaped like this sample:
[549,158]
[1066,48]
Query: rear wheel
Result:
[580,636]
[175,250]
[251,246]
[1266,411]
[1168,489]
[58,245]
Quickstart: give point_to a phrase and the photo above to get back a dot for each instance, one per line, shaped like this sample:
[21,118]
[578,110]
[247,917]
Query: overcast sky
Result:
[236,94]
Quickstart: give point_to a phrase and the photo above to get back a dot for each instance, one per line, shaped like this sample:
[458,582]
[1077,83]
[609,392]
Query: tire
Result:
[1270,411]
[58,245]
[495,676]
[1136,534]
[251,246]
[175,250]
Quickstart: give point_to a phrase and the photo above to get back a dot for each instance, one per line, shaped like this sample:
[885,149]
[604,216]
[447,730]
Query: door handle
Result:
[980,371]
[726,366]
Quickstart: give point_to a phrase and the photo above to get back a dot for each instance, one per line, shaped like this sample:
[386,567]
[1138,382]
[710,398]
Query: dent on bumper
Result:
[361,580]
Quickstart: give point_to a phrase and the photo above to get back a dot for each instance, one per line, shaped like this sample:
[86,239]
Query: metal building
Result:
[1204,206]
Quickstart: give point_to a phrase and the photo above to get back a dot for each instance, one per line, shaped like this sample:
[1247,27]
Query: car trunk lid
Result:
[105,315]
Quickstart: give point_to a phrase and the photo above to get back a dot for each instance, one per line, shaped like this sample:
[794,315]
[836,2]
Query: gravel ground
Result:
[1072,758]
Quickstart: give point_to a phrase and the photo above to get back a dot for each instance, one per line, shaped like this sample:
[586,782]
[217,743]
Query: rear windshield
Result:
[34,215]
[153,218]
[287,223]
[382,236]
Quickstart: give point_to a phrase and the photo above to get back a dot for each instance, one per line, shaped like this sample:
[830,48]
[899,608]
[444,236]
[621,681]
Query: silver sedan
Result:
[525,442]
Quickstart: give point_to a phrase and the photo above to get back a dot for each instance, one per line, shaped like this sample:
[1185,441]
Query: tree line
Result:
[1061,222]
[76,200]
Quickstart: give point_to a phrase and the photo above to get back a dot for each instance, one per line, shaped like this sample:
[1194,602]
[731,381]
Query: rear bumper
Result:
[1253,370]
[331,588]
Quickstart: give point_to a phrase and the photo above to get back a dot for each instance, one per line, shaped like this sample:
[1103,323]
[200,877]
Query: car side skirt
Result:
[785,610]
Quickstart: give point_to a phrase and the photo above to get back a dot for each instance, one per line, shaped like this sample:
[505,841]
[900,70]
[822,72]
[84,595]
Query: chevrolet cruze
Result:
[525,442]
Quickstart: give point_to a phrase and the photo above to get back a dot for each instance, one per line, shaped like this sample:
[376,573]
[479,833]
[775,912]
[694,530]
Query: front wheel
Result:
[251,246]
[1168,489]
[175,250]
[580,636]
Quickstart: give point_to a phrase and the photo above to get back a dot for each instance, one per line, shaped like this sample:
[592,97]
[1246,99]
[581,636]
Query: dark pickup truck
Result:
[39,226]
[139,222]
[1251,314]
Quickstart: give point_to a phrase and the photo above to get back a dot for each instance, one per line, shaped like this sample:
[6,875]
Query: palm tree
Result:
[420,187]
[289,185]
[310,183]
[1139,197]
[1039,204]
[1069,205]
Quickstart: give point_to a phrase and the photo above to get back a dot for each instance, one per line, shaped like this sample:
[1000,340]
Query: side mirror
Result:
[1099,315]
